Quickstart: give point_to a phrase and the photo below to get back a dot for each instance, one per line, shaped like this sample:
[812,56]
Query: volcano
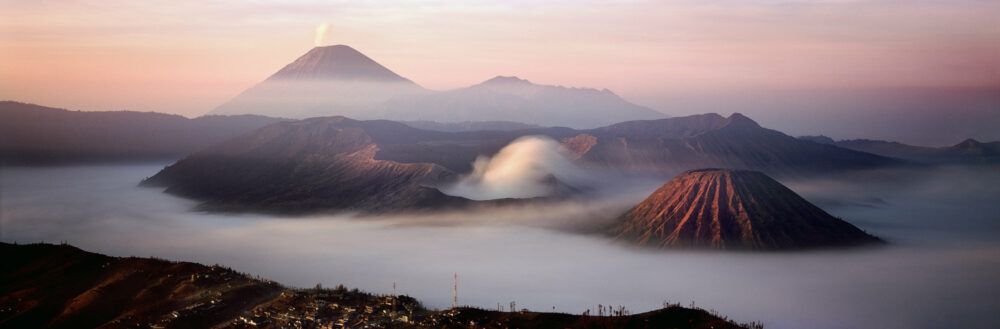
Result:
[341,81]
[326,81]
[733,209]
[337,62]
[313,165]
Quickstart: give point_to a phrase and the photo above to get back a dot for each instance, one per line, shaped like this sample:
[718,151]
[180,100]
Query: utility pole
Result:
[454,304]
[394,298]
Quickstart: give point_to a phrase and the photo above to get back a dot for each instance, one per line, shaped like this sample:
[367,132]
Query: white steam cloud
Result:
[321,33]
[530,166]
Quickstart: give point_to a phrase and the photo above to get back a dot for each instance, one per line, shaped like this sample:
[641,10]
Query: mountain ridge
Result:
[339,80]
[968,151]
[504,97]
[711,140]
[306,166]
[337,163]
[104,136]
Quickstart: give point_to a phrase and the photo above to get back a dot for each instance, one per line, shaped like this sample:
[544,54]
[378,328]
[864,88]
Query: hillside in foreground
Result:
[59,286]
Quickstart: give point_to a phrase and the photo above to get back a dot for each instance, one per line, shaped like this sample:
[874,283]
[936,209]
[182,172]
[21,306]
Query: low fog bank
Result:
[915,205]
[939,271]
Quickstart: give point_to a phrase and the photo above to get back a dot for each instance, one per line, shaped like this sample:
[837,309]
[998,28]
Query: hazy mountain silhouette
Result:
[330,80]
[506,98]
[710,140]
[969,151]
[339,80]
[667,145]
[732,209]
[33,134]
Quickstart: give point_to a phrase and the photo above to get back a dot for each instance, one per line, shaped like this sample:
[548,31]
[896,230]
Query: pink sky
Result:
[187,57]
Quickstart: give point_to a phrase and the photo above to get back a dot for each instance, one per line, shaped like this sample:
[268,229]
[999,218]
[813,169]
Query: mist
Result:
[530,166]
[360,100]
[939,269]
[917,116]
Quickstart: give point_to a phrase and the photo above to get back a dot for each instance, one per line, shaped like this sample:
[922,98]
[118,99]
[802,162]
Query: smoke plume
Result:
[321,33]
[530,166]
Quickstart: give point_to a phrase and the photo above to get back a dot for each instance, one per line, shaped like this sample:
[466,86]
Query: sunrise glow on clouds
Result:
[189,56]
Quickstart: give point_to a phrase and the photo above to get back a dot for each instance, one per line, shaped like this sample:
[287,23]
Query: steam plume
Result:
[321,33]
[528,167]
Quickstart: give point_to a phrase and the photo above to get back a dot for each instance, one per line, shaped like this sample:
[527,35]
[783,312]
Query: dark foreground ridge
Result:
[60,286]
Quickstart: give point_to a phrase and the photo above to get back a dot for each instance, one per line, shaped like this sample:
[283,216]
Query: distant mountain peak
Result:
[501,80]
[739,117]
[335,119]
[969,143]
[740,120]
[337,62]
[340,48]
[339,80]
[972,146]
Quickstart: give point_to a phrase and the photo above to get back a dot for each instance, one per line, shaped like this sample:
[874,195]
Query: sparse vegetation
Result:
[130,292]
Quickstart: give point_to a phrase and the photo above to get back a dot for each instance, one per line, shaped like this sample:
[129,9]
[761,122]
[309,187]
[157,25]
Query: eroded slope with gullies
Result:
[733,209]
[306,166]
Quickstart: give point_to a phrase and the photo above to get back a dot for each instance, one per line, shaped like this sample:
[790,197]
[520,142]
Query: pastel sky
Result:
[187,57]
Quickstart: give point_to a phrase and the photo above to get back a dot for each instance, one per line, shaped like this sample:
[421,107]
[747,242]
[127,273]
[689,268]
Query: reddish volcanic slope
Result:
[319,164]
[733,209]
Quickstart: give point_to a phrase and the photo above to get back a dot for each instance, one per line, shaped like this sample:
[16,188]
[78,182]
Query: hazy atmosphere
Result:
[940,270]
[500,164]
[857,65]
